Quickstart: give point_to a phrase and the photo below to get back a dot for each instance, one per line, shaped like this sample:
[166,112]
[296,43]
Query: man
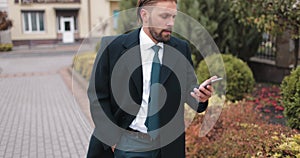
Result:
[126,85]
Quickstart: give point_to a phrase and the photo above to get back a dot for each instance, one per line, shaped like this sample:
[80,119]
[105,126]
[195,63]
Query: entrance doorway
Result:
[67,29]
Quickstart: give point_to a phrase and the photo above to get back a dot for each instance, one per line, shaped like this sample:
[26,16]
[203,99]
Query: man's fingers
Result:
[201,94]
[207,82]
[204,91]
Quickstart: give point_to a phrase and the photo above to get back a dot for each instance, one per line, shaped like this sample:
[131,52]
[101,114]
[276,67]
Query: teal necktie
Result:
[152,121]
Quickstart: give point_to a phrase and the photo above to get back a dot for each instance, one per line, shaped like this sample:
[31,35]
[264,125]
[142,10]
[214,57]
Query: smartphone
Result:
[214,81]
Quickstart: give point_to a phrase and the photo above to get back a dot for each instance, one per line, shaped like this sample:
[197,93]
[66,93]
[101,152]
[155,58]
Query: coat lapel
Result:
[169,60]
[131,45]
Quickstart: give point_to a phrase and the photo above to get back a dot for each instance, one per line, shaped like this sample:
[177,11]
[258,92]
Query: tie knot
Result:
[155,48]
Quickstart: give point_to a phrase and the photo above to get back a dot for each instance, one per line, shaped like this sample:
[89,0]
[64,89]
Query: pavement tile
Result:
[38,114]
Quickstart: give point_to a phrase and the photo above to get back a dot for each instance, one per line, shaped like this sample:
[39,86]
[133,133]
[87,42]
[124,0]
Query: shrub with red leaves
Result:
[243,128]
[267,100]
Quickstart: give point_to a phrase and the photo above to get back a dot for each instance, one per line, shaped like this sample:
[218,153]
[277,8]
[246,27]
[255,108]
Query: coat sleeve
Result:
[192,83]
[106,132]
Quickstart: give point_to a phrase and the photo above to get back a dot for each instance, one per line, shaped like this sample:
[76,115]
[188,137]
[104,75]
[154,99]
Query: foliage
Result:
[6,47]
[290,87]
[98,45]
[266,99]
[5,23]
[229,35]
[127,4]
[290,146]
[270,16]
[239,132]
[239,76]
[127,17]
[83,63]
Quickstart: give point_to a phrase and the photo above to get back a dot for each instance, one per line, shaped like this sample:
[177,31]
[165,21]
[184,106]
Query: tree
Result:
[271,16]
[229,35]
[5,38]
[127,4]
[128,18]
[5,23]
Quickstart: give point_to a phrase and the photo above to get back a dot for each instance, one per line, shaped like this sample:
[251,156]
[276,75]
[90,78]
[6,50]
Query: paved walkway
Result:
[39,116]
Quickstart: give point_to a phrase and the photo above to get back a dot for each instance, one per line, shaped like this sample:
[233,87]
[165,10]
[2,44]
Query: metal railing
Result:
[267,49]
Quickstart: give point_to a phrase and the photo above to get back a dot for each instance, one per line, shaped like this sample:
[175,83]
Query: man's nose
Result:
[171,21]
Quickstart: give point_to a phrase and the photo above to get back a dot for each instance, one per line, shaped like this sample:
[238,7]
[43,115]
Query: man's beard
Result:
[159,36]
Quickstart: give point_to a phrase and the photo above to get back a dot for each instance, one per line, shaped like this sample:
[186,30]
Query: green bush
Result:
[290,91]
[83,64]
[98,45]
[6,47]
[239,77]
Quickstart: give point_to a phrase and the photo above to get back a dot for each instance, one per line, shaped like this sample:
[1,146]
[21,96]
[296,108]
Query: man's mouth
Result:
[167,31]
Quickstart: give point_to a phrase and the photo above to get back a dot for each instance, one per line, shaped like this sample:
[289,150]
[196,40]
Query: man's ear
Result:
[144,15]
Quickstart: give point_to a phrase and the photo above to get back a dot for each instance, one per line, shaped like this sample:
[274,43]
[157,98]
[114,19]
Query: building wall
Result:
[101,14]
[3,5]
[99,11]
[90,14]
[83,23]
[15,13]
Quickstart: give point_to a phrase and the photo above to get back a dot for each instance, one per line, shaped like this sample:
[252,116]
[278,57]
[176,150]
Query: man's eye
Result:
[164,16]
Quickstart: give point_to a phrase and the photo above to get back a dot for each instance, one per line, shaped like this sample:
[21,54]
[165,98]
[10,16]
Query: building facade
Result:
[58,21]
[3,5]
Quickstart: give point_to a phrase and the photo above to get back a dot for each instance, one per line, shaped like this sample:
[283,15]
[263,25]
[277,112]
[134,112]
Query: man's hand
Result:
[204,91]
[113,148]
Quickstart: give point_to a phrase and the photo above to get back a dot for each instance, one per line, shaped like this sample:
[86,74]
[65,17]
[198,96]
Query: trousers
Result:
[137,145]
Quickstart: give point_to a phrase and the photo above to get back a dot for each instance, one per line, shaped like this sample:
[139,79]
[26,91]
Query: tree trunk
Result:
[296,52]
[284,54]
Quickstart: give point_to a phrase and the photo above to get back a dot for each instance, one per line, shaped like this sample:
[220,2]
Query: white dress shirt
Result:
[147,54]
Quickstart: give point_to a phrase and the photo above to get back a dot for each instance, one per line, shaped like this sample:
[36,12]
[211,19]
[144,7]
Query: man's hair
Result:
[142,3]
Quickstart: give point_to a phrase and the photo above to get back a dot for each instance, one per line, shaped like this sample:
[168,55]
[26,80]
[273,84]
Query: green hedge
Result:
[239,77]
[6,47]
[83,64]
[290,90]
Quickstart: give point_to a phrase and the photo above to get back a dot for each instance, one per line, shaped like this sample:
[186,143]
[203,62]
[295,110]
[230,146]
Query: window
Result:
[33,21]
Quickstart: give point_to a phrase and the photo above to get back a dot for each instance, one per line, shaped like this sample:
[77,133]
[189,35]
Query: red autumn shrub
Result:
[239,132]
[267,100]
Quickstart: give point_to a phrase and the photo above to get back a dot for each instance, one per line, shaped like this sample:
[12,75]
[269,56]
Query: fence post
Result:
[284,50]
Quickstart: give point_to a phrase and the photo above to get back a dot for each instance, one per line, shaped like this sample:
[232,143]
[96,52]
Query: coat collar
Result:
[132,39]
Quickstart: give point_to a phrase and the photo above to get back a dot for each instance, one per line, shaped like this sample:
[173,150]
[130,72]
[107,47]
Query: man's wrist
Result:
[202,106]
